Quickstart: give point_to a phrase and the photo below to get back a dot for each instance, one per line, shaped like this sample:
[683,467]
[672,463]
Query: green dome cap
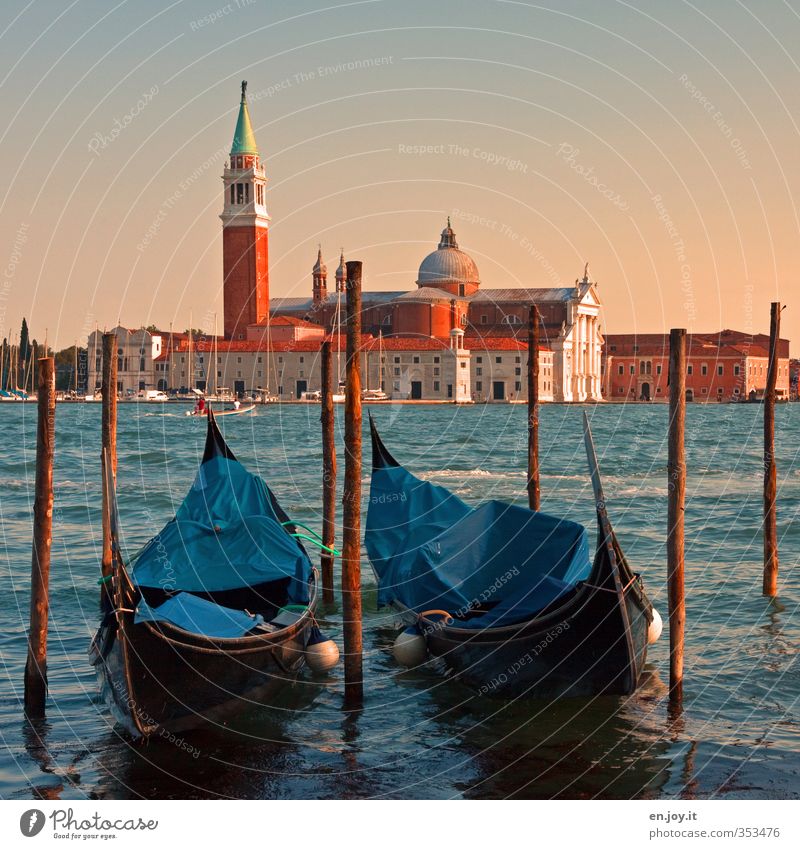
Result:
[244,139]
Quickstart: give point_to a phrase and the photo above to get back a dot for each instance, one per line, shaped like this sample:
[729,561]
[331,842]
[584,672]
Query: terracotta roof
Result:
[726,343]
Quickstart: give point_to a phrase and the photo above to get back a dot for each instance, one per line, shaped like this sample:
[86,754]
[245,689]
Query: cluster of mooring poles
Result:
[36,665]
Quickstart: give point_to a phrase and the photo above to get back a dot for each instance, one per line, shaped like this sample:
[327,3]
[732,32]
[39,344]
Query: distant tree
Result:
[195,331]
[151,328]
[24,343]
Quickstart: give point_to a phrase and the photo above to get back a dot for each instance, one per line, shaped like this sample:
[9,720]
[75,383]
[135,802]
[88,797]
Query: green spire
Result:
[244,139]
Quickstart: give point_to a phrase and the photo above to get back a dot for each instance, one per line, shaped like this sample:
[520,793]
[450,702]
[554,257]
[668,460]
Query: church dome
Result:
[448,266]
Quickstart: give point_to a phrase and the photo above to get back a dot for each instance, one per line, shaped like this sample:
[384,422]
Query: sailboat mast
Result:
[76,366]
[214,354]
[191,364]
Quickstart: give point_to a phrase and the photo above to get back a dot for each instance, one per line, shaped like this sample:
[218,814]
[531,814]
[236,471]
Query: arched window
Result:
[463,319]
[511,319]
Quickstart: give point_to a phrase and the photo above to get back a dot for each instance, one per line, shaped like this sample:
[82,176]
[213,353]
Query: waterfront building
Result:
[726,366]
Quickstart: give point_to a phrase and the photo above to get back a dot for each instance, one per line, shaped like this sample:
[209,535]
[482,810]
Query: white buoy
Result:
[655,629]
[322,656]
[410,648]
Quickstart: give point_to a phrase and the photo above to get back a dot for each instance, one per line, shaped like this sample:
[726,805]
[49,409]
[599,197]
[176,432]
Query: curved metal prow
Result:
[381,458]
[215,443]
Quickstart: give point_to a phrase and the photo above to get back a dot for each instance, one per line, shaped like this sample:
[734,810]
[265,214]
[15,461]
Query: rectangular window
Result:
[435,385]
[239,359]
[658,371]
[484,319]
[518,371]
[239,193]
[517,360]
[478,359]
[233,193]
[397,372]
[396,386]
[219,374]
[259,359]
[302,359]
[436,359]
[416,359]
[478,371]
[498,359]
[736,370]
[397,359]
[436,370]
[622,369]
[478,386]
[689,369]
[633,368]
[720,370]
[517,386]
[463,364]
[280,359]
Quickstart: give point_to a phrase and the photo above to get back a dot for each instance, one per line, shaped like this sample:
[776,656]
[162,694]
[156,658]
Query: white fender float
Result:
[410,648]
[655,629]
[322,654]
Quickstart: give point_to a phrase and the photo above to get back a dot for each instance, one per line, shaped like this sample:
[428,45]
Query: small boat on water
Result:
[215,613]
[233,411]
[508,598]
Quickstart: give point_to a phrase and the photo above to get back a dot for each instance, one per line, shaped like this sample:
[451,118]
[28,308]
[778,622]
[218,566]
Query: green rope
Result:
[313,541]
[315,538]
[105,580]
[304,527]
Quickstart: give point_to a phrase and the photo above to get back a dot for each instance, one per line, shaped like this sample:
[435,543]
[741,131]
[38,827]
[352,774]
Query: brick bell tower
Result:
[245,232]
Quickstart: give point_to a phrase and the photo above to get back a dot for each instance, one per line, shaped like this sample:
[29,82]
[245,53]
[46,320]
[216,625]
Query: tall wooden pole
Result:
[36,665]
[109,434]
[351,548]
[770,584]
[534,492]
[328,475]
[676,495]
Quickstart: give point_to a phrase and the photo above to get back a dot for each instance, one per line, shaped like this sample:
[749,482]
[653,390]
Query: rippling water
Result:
[420,735]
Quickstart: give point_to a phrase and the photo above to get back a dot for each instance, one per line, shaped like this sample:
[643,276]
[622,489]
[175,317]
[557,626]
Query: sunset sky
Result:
[658,141]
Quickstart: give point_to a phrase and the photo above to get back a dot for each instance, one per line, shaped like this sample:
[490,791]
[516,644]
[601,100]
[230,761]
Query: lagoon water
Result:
[421,735]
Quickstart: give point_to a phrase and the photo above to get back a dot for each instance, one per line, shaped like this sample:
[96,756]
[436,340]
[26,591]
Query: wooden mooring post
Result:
[36,664]
[109,436]
[534,491]
[676,500]
[328,475]
[351,547]
[770,582]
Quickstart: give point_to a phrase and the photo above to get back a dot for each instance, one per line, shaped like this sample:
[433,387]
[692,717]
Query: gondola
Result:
[509,599]
[215,613]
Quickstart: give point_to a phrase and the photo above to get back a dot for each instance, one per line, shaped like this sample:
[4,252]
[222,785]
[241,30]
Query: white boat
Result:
[374,395]
[236,411]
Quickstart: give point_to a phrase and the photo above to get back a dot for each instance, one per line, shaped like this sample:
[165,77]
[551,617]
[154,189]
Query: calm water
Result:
[420,735]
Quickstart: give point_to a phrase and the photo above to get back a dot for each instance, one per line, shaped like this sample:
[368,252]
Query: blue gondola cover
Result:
[489,566]
[225,535]
[199,616]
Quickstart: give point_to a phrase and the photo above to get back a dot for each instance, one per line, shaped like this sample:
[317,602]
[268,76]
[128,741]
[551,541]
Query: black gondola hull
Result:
[584,650]
[157,679]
